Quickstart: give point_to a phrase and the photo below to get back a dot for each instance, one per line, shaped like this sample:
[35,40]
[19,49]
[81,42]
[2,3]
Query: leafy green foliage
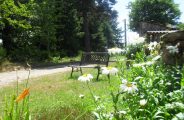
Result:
[181,26]
[153,11]
[145,91]
[42,29]
[14,14]
[132,50]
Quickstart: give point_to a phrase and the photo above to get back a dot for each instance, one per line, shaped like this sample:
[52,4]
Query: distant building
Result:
[153,32]
[155,35]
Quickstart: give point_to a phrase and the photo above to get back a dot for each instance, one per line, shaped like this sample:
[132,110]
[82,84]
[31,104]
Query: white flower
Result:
[100,108]
[81,96]
[152,45]
[109,70]
[138,65]
[140,39]
[97,98]
[173,49]
[142,102]
[129,87]
[85,77]
[179,116]
[115,51]
[156,58]
[148,63]
[123,81]
[122,112]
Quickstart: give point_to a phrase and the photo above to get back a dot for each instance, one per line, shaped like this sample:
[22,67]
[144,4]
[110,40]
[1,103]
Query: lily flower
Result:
[23,95]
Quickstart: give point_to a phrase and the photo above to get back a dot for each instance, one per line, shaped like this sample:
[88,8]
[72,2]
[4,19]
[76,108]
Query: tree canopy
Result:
[161,12]
[42,29]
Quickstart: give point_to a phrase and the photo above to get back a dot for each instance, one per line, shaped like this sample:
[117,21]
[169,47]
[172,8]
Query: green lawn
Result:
[57,96]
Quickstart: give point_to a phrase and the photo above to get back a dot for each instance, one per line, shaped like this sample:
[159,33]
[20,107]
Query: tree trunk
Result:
[87,34]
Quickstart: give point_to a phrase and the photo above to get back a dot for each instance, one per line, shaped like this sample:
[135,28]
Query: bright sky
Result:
[123,14]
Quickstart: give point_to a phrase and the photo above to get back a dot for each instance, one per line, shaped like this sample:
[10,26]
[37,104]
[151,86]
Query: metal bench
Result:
[92,60]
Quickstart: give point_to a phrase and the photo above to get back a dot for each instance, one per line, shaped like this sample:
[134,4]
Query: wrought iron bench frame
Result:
[96,59]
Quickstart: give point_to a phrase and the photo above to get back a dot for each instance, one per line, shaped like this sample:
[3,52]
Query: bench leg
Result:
[81,70]
[72,72]
[98,73]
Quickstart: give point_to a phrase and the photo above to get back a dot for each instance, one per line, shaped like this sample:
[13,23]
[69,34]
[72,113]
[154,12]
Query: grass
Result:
[57,96]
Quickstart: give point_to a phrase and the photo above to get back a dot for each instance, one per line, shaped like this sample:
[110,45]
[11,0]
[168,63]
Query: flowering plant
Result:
[115,50]
[109,70]
[150,91]
[17,105]
[85,78]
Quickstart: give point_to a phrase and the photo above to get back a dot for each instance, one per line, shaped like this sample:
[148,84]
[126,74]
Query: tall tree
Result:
[103,24]
[153,11]
[13,15]
[86,8]
[68,27]
[44,28]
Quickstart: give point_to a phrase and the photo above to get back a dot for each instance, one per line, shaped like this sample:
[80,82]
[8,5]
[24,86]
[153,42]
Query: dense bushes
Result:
[40,30]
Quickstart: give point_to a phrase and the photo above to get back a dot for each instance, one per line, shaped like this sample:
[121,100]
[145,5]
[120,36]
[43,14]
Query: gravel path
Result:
[9,77]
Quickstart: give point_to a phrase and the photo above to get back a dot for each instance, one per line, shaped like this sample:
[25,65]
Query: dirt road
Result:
[9,77]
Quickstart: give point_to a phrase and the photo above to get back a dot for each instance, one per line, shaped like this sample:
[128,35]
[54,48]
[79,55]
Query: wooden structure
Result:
[145,26]
[155,35]
[92,60]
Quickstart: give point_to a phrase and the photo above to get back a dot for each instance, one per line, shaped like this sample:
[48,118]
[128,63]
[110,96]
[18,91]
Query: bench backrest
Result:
[100,58]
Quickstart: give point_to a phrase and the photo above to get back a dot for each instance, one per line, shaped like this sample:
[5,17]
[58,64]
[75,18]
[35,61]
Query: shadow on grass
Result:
[64,113]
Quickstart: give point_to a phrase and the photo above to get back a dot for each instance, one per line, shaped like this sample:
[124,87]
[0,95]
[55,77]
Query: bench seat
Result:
[92,60]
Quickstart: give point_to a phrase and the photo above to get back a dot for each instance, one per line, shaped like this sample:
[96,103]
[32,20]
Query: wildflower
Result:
[142,102]
[107,116]
[174,105]
[173,49]
[81,96]
[179,116]
[100,108]
[109,70]
[140,39]
[97,98]
[123,81]
[152,45]
[115,51]
[156,58]
[138,65]
[85,77]
[23,95]
[148,63]
[129,87]
[122,112]
[169,106]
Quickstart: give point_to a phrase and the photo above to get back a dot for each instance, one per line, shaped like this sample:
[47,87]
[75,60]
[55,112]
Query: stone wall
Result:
[175,39]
